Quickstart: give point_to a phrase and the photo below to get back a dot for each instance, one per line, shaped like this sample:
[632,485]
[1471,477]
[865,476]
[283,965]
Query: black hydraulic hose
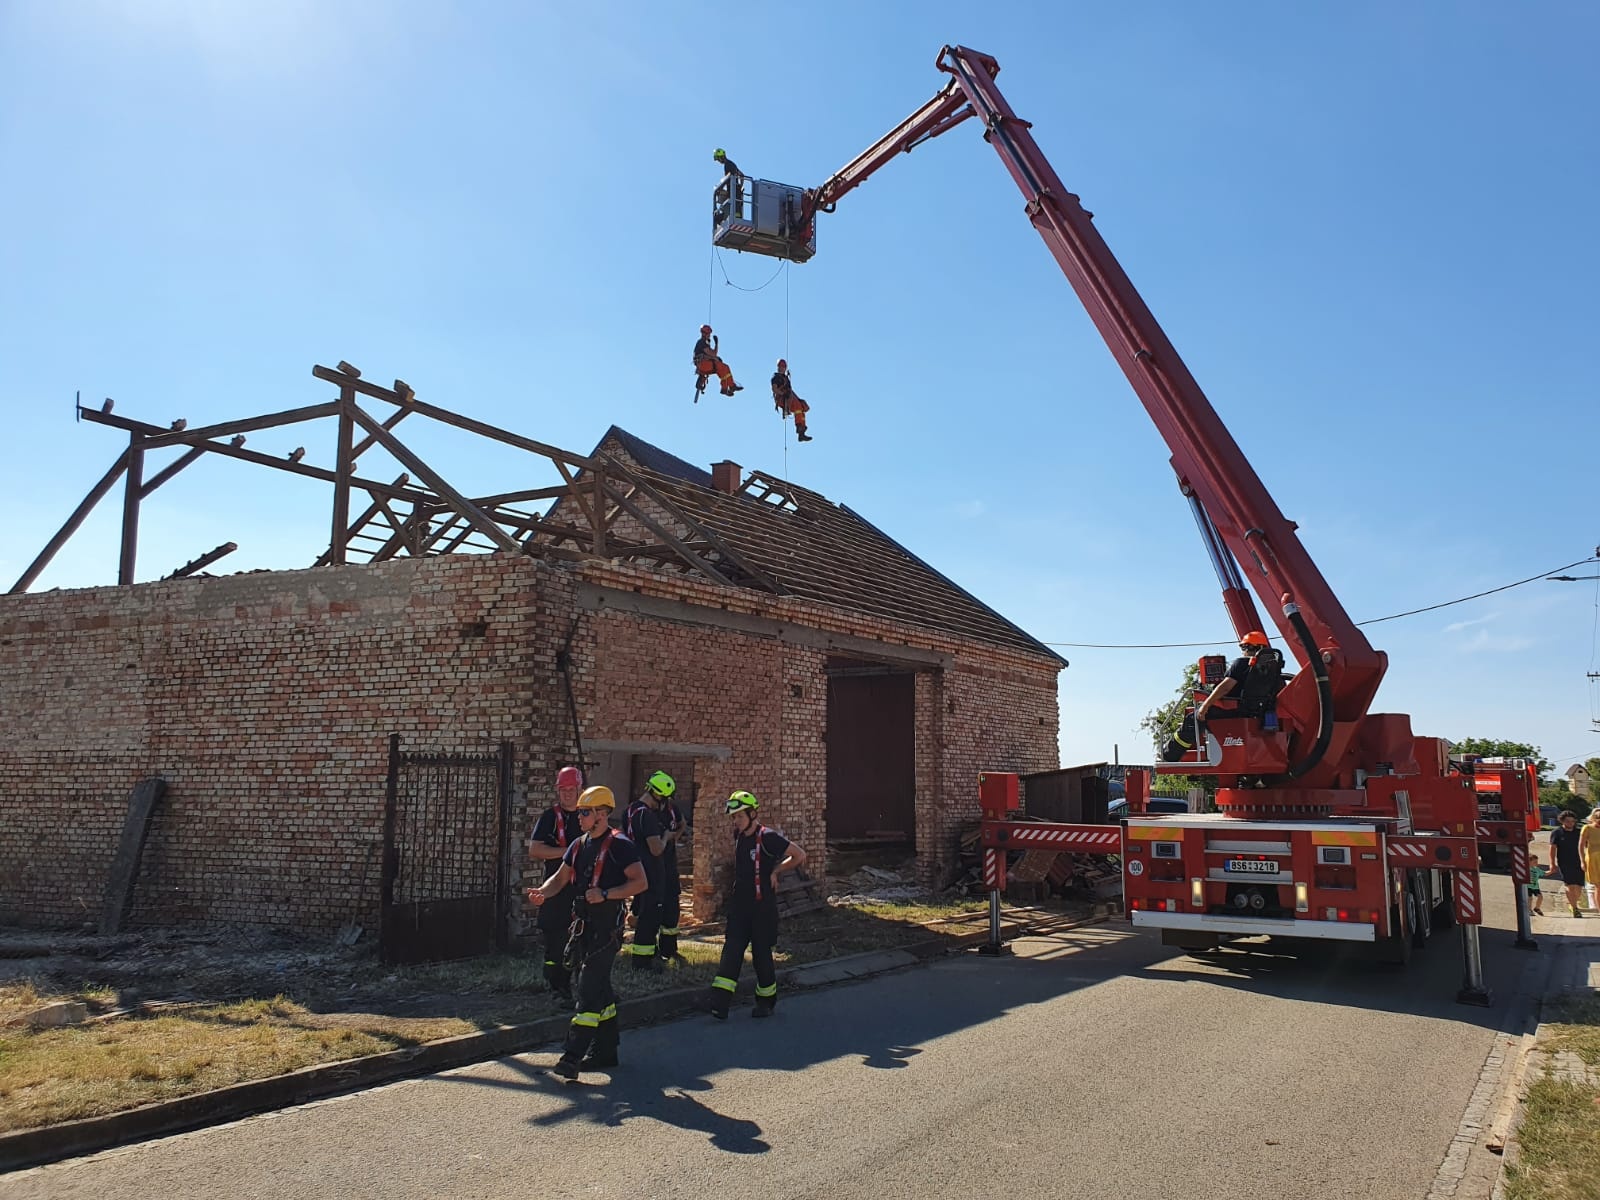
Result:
[1324,694]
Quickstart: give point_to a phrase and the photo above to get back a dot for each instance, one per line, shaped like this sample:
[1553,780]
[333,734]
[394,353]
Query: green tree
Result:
[1161,723]
[1499,748]
[1557,796]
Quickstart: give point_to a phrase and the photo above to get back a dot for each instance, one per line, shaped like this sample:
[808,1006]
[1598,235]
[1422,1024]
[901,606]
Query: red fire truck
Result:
[1333,822]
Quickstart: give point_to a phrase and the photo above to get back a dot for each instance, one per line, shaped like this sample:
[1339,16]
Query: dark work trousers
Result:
[671,903]
[647,919]
[752,924]
[555,921]
[592,951]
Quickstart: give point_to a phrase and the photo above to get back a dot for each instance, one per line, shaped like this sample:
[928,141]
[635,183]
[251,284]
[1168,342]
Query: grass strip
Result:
[53,1075]
[1559,1138]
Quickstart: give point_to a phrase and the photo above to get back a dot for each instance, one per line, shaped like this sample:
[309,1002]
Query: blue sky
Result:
[1368,229]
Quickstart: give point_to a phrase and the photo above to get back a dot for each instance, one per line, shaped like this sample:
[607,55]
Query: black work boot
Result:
[579,1039]
[603,1050]
[804,437]
[667,947]
[647,962]
[718,1005]
[765,1006]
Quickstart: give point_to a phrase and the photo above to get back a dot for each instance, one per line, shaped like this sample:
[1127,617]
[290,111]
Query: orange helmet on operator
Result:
[1254,638]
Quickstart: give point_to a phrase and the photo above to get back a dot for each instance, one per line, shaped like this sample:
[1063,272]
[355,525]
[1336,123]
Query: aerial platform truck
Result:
[1333,823]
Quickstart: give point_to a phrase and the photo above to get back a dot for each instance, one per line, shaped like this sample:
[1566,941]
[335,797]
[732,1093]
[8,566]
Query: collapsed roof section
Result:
[627,500]
[421,512]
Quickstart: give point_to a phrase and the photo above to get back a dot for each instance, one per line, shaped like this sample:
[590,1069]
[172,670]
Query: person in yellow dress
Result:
[1589,848]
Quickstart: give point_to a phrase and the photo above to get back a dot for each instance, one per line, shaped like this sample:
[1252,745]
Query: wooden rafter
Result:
[421,512]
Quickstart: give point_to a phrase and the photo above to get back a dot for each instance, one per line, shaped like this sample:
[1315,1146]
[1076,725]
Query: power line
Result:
[1373,621]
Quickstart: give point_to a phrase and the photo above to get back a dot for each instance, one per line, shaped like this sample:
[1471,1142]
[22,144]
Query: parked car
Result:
[1155,806]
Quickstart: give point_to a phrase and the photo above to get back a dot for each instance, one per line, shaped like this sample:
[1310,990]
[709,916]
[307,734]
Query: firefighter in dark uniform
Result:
[1249,689]
[642,824]
[760,855]
[604,869]
[673,828]
[557,828]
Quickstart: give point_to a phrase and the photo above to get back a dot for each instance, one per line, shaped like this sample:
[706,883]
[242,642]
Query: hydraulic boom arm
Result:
[1239,520]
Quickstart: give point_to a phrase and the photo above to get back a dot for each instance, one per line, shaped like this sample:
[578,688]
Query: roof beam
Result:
[479,519]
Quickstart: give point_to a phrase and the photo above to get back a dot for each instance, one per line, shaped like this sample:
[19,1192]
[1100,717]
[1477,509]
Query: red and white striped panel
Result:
[992,870]
[1091,841]
[1409,854]
[1519,864]
[1485,832]
[1469,908]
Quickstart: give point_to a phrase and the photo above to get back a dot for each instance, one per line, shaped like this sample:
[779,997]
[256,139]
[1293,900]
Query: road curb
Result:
[70,1139]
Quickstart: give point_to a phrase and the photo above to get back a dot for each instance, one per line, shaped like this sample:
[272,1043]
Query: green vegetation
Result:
[1559,1138]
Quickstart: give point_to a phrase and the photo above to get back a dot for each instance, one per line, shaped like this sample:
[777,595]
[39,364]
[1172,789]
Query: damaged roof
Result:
[818,550]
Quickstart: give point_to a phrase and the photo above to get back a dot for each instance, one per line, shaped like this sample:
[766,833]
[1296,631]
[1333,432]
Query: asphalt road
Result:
[1095,1063]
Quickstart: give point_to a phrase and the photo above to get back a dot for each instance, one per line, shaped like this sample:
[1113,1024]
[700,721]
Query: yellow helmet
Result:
[661,784]
[597,797]
[741,801]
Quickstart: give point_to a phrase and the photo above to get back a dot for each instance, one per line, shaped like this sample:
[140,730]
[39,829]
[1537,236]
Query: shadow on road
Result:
[856,1022]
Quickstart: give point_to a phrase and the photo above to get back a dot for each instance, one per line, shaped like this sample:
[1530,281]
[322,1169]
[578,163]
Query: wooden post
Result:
[130,509]
[342,471]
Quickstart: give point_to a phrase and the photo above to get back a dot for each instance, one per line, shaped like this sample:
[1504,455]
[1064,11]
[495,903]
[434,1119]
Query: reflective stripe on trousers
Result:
[723,982]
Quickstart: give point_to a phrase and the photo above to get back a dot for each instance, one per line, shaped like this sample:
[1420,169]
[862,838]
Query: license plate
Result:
[1250,866]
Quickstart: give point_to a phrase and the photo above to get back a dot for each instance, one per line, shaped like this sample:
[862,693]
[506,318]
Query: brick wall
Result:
[648,680]
[265,701]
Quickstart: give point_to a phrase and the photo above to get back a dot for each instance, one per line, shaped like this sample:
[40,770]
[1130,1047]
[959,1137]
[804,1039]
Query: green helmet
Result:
[720,154]
[742,800]
[660,784]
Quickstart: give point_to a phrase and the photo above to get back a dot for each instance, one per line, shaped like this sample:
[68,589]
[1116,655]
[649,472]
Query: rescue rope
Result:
[718,253]
[784,423]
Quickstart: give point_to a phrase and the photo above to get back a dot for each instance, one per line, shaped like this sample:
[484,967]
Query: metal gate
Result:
[443,832]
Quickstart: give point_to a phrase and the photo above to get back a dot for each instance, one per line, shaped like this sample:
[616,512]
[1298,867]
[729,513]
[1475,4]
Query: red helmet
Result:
[783,365]
[569,777]
[705,329]
[1254,638]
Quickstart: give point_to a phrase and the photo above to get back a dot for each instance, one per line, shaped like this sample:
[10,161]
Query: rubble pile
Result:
[1034,875]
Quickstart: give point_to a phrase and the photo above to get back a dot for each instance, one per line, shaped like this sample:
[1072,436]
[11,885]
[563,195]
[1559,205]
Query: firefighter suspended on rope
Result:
[787,403]
[707,363]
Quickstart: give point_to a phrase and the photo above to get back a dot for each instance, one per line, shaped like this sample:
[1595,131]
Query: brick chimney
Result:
[725,477]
